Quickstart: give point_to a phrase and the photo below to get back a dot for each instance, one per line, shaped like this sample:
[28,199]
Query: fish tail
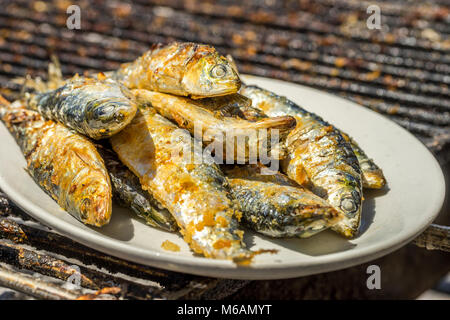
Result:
[282,123]
[55,77]
[30,85]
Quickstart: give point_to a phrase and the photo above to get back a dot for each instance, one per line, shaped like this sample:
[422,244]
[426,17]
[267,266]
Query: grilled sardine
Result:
[372,175]
[96,108]
[185,69]
[63,163]
[319,155]
[127,192]
[160,154]
[277,207]
[218,121]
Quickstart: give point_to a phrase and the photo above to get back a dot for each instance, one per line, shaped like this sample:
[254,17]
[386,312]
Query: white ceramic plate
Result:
[391,217]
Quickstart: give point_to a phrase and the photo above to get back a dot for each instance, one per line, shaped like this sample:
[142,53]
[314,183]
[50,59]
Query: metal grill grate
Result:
[402,70]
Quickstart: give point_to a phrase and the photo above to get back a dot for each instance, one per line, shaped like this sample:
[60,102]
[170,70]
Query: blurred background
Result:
[401,70]
[390,56]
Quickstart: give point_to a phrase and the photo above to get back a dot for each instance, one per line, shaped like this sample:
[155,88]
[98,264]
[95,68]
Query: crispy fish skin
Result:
[319,155]
[96,108]
[127,191]
[195,194]
[63,163]
[181,68]
[276,207]
[219,120]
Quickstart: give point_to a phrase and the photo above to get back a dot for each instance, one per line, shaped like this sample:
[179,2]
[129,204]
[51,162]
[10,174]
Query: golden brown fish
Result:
[63,163]
[196,194]
[372,175]
[217,122]
[181,68]
[319,155]
[127,191]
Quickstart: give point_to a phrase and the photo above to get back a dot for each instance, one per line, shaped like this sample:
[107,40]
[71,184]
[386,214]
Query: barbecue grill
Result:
[401,71]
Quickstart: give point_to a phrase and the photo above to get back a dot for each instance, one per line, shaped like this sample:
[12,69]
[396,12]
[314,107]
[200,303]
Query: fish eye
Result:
[218,71]
[348,205]
[105,112]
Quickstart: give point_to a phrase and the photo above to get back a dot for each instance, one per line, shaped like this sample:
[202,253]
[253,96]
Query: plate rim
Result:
[226,269]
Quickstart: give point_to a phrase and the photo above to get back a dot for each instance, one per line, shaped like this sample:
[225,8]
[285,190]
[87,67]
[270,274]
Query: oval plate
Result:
[391,217]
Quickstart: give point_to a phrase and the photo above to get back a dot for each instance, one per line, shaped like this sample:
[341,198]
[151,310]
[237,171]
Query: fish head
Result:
[115,112]
[349,202]
[210,75]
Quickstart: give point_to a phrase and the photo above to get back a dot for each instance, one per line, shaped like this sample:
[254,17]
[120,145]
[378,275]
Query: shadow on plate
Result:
[327,241]
[368,212]
[323,243]
[120,227]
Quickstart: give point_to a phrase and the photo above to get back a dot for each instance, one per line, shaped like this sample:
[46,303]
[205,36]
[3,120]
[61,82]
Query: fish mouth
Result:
[114,113]
[219,91]
[95,212]
[100,212]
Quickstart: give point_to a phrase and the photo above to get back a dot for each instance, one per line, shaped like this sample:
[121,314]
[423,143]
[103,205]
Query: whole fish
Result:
[196,194]
[63,163]
[181,68]
[127,192]
[96,108]
[218,121]
[275,206]
[318,155]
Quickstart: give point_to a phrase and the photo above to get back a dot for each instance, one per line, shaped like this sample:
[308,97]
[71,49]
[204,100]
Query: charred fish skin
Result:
[63,163]
[195,194]
[127,192]
[319,155]
[219,121]
[181,68]
[95,108]
[275,207]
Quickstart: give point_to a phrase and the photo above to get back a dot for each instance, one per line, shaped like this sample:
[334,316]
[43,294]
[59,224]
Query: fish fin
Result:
[55,77]
[33,85]
[233,65]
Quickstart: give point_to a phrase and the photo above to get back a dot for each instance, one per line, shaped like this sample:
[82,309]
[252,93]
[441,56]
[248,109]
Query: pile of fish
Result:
[134,135]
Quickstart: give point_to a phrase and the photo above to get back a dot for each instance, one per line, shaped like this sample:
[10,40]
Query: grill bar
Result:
[304,20]
[410,84]
[401,71]
[98,270]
